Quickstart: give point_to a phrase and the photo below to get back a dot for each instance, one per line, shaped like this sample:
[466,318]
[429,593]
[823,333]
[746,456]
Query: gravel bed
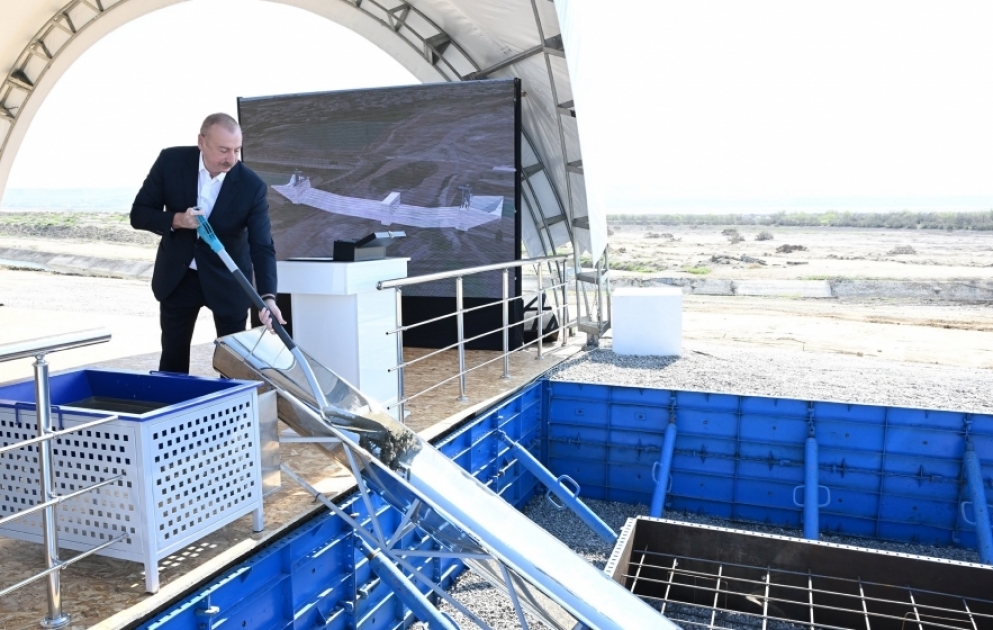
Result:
[790,374]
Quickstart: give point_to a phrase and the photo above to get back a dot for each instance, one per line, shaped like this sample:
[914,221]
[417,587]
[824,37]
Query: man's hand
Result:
[264,314]
[186,220]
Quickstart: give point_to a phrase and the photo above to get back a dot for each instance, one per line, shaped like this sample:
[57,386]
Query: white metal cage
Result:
[181,476]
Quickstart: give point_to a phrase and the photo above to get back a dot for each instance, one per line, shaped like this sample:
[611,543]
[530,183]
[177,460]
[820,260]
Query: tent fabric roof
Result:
[436,40]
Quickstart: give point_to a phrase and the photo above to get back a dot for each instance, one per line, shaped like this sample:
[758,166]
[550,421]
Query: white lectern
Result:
[341,319]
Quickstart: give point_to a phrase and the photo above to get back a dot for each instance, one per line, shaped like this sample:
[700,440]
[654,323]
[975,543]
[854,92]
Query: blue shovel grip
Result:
[207,234]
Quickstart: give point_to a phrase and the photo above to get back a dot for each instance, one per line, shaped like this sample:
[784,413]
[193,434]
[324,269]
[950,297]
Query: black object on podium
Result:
[372,247]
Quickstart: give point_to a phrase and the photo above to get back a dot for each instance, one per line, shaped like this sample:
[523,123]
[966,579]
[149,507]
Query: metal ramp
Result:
[468,521]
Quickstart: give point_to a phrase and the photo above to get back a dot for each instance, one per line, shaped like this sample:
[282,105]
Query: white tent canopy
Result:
[436,40]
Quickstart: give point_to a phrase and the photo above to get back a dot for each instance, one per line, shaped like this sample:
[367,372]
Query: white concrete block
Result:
[648,321]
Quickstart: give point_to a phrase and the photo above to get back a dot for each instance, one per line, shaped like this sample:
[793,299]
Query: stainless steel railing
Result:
[39,348]
[556,267]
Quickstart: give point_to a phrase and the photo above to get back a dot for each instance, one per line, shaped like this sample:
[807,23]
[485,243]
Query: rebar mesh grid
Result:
[726,584]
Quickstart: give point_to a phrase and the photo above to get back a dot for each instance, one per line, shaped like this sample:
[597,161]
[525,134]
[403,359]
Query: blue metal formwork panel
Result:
[643,397]
[889,472]
[712,495]
[627,483]
[476,448]
[592,476]
[980,427]
[639,418]
[293,583]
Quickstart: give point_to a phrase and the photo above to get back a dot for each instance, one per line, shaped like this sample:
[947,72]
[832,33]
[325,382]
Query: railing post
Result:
[46,472]
[399,327]
[541,305]
[506,324]
[461,325]
[606,283]
[599,299]
[564,315]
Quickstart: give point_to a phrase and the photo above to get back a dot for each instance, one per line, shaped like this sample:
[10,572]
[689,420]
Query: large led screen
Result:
[437,162]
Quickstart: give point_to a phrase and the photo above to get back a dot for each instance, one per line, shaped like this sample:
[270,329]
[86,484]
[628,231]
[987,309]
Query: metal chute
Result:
[466,518]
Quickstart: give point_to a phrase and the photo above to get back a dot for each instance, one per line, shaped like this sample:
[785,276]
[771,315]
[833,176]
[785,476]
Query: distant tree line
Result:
[894,220]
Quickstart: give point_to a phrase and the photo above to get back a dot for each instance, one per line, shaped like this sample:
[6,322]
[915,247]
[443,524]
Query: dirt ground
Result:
[828,253]
[934,331]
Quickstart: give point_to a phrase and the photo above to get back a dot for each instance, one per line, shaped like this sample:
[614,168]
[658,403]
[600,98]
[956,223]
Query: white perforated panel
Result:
[205,467]
[81,460]
[183,475]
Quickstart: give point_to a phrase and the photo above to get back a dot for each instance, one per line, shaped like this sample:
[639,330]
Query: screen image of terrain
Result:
[437,162]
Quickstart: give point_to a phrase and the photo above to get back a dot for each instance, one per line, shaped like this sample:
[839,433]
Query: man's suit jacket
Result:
[240,218]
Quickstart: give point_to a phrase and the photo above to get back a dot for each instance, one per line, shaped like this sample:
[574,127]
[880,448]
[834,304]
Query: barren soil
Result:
[855,253]
[927,331]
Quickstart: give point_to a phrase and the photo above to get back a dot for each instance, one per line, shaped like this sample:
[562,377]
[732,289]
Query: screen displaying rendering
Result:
[437,162]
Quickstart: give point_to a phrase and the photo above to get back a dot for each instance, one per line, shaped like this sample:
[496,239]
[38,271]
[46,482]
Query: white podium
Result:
[341,319]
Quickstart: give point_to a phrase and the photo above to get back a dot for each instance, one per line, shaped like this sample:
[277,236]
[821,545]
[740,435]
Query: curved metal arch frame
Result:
[439,49]
[37,57]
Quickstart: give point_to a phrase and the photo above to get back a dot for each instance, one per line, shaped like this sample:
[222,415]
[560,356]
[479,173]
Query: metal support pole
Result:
[606,286]
[811,507]
[579,296]
[556,486]
[599,298]
[977,493]
[664,468]
[564,319]
[46,473]
[459,318]
[506,324]
[399,326]
[541,305]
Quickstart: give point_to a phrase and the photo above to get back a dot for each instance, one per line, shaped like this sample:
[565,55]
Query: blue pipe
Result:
[974,476]
[665,466]
[811,509]
[407,592]
[556,485]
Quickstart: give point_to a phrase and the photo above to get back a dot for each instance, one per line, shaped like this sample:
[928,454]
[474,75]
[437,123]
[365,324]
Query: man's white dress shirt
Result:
[207,191]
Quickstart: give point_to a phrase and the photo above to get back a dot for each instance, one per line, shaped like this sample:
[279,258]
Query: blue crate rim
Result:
[238,386]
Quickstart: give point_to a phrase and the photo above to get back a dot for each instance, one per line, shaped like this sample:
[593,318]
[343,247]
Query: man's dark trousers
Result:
[178,318]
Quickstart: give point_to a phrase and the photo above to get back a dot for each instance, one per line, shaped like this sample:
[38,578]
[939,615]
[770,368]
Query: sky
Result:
[701,106]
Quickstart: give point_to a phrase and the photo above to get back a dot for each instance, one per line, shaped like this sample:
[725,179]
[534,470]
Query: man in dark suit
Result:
[207,179]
